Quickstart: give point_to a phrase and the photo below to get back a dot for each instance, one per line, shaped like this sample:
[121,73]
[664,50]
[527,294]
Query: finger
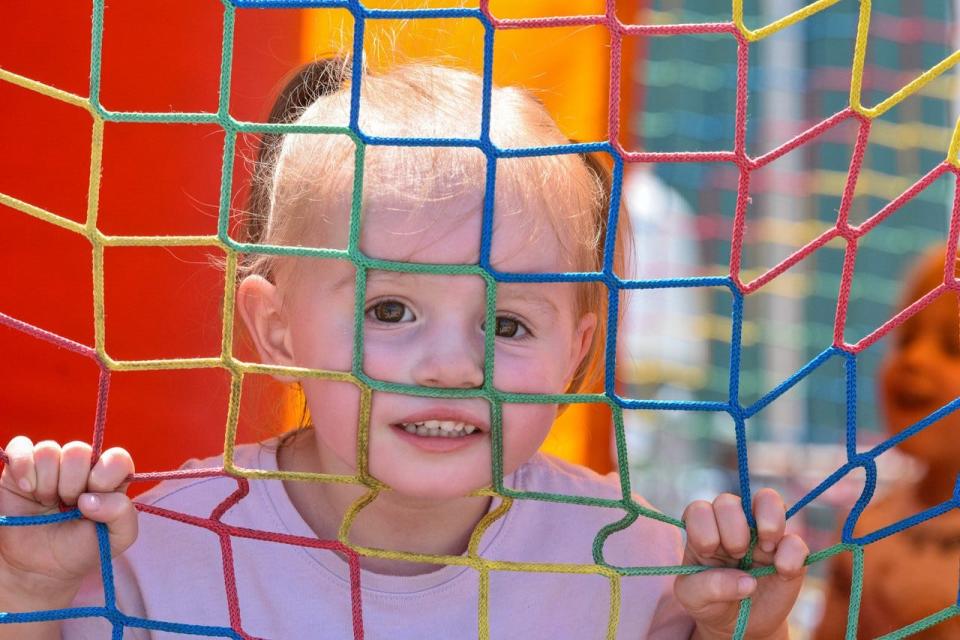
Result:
[117,512]
[703,537]
[111,470]
[74,471]
[698,591]
[19,474]
[732,524]
[771,516]
[791,557]
[46,458]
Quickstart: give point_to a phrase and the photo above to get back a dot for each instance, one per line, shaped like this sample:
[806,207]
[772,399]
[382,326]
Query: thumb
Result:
[698,591]
[117,512]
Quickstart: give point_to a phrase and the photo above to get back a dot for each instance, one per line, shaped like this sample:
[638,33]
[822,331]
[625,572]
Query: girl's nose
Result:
[450,358]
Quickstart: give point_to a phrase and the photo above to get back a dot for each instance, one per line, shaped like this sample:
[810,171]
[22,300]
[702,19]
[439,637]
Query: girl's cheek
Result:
[512,374]
[322,334]
[330,356]
[526,373]
[385,359]
[525,426]
[335,408]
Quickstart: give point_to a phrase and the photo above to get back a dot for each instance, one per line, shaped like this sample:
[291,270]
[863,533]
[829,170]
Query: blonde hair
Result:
[302,179]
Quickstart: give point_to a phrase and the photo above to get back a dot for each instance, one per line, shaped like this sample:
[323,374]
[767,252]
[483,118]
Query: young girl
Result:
[910,575]
[420,205]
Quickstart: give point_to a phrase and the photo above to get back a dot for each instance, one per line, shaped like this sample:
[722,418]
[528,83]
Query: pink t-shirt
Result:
[174,571]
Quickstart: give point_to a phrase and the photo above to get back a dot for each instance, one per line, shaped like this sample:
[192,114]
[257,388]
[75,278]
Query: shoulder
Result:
[544,472]
[549,474]
[569,531]
[201,485]
[179,542]
[645,541]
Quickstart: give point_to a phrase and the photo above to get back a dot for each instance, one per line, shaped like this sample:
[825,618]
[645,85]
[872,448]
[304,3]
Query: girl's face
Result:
[920,374]
[428,330]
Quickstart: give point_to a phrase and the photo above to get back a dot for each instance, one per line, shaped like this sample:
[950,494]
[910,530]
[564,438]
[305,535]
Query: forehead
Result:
[449,231]
[426,206]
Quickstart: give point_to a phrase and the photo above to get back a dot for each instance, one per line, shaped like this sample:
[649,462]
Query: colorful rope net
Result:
[688,86]
[739,288]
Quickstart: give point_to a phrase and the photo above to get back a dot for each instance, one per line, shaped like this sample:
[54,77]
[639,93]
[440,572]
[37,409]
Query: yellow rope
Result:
[913,86]
[41,214]
[752,35]
[859,56]
[46,90]
[954,151]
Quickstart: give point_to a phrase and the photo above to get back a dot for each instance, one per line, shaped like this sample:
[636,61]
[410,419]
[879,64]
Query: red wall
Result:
[157,180]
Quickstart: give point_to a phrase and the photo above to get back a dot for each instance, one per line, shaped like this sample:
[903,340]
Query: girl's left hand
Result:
[718,536]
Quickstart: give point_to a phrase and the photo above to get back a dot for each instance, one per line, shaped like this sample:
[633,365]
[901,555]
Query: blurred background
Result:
[797,78]
[677,93]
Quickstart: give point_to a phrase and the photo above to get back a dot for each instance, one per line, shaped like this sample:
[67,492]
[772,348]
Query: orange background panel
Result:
[567,67]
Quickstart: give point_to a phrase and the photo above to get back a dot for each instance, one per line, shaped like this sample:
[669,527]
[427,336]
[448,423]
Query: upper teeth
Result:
[441,428]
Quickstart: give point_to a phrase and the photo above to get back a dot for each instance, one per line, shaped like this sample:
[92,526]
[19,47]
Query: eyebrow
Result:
[346,280]
[508,293]
[389,278]
[530,297]
[379,275]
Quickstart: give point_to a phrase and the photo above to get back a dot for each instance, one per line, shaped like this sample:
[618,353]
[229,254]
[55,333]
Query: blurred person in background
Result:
[914,573]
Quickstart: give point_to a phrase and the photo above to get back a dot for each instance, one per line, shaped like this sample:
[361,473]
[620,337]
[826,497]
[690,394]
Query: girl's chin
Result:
[433,492]
[461,479]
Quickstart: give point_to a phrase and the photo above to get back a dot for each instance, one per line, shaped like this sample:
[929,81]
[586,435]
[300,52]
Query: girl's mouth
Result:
[439,436]
[438,428]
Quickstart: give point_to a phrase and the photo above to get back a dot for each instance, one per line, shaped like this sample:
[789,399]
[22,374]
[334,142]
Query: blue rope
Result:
[870,467]
[29,521]
[790,382]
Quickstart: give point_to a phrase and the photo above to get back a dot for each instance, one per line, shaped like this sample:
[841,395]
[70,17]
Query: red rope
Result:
[225,532]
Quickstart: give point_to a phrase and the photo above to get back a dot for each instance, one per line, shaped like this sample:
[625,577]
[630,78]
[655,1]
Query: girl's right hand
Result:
[42,566]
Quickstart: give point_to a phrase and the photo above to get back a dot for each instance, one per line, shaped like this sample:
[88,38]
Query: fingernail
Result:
[91,502]
[24,485]
[746,585]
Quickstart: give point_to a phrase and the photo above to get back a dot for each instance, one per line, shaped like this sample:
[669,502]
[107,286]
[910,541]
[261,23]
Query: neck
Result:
[390,521]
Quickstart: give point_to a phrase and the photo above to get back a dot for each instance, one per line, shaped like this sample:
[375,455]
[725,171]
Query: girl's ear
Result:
[261,308]
[582,339]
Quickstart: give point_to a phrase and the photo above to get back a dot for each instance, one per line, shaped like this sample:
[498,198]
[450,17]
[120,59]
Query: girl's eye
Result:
[508,327]
[391,311]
